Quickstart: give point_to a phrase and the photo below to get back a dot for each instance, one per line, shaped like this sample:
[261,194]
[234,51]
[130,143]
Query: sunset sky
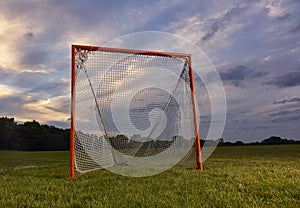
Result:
[254,45]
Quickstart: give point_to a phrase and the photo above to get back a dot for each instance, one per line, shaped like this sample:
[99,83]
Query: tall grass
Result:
[246,176]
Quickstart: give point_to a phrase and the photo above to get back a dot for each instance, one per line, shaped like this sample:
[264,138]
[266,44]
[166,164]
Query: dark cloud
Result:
[15,9]
[42,84]
[245,112]
[13,104]
[62,107]
[35,56]
[285,116]
[61,104]
[28,35]
[290,79]
[237,75]
[213,28]
[3,75]
[285,119]
[28,79]
[287,100]
[295,29]
[51,88]
[281,113]
[284,17]
[262,127]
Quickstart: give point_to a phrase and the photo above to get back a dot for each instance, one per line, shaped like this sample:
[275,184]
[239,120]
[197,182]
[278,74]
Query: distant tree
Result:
[228,144]
[277,140]
[32,136]
[238,143]
[6,132]
[221,142]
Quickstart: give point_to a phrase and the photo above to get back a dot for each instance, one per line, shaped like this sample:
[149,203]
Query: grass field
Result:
[244,176]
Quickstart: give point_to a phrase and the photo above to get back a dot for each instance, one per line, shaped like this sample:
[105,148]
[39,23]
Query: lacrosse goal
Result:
[132,109]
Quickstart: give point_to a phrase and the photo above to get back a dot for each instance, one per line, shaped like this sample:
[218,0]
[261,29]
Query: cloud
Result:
[45,109]
[281,113]
[30,106]
[289,115]
[291,79]
[7,91]
[275,8]
[212,29]
[36,84]
[60,104]
[287,100]
[35,56]
[262,127]
[268,58]
[284,17]
[295,29]
[28,35]
[286,119]
[13,105]
[237,75]
[4,75]
[220,23]
[61,124]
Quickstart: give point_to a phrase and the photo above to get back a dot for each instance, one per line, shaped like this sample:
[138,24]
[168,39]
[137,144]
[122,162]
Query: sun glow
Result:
[45,110]
[6,91]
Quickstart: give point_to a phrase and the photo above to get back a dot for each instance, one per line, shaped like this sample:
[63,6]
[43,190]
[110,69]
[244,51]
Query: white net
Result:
[133,112]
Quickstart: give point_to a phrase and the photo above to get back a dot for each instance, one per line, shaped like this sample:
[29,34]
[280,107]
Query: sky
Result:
[254,46]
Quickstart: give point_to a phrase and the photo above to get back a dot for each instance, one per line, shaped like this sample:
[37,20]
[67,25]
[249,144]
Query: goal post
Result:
[132,109]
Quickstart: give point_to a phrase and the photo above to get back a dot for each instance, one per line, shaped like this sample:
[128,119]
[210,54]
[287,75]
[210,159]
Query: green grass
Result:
[245,176]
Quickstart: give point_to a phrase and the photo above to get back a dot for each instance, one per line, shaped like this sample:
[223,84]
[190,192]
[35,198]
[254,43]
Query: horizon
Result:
[209,139]
[254,46]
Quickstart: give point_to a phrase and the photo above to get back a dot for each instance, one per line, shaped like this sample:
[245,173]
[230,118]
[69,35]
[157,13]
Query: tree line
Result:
[32,136]
[273,140]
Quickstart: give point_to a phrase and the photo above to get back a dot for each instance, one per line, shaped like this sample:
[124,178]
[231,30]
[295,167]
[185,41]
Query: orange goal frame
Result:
[129,51]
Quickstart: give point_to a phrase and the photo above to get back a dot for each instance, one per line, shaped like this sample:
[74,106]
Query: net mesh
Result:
[132,110]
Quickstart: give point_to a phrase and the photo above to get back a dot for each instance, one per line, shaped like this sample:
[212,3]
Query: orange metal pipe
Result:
[198,146]
[72,130]
[122,50]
